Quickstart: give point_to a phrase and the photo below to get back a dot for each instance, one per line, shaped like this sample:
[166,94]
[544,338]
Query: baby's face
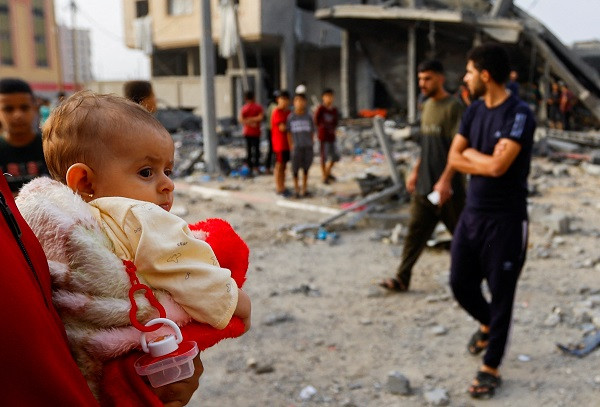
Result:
[138,166]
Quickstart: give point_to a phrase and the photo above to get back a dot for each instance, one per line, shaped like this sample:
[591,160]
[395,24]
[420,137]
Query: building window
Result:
[39,33]
[6,51]
[180,7]
[141,8]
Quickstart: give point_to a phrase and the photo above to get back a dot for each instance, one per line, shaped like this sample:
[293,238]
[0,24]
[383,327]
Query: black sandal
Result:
[473,347]
[486,385]
[393,284]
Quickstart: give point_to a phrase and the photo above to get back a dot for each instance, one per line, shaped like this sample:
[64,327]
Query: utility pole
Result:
[207,75]
[74,45]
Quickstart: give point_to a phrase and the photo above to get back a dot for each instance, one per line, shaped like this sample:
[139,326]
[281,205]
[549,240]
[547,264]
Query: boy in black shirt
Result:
[21,155]
[494,146]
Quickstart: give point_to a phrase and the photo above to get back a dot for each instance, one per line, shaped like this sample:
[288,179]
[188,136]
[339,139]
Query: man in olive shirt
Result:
[21,154]
[439,123]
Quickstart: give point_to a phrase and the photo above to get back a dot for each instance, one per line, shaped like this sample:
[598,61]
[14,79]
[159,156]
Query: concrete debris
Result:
[439,330]
[264,368]
[398,234]
[558,223]
[397,383]
[307,393]
[438,298]
[437,397]
[307,289]
[278,318]
[524,358]
[552,320]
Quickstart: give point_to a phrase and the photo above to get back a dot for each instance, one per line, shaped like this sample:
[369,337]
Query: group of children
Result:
[292,137]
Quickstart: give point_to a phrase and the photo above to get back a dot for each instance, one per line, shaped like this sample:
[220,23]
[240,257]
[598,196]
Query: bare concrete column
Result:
[545,91]
[287,60]
[207,79]
[348,74]
[411,73]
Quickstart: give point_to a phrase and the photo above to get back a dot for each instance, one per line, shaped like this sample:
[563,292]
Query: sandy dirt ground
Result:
[320,320]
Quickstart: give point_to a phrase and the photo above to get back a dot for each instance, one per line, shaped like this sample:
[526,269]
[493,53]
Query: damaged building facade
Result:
[396,34]
[366,50]
[283,43]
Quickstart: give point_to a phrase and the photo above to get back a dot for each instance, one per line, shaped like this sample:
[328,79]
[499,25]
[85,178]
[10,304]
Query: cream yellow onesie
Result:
[169,257]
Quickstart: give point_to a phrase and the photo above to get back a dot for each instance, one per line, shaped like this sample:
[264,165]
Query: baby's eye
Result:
[146,172]
[168,172]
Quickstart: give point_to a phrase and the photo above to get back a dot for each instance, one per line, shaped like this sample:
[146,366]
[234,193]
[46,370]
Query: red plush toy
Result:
[121,385]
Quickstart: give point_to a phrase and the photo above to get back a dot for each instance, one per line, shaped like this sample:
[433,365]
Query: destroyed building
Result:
[395,35]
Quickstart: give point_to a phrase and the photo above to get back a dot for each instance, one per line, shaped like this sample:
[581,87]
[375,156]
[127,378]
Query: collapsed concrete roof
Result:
[450,28]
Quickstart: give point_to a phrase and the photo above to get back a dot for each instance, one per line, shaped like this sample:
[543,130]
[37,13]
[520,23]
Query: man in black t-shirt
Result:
[21,154]
[493,145]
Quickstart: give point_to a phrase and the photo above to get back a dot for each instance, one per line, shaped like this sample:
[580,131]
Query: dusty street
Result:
[320,320]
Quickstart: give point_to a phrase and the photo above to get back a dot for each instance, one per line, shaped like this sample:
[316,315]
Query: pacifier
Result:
[168,358]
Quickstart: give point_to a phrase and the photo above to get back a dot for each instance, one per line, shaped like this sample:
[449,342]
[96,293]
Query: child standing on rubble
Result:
[301,131]
[116,158]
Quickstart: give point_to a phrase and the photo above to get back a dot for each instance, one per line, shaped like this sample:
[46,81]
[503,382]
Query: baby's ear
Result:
[80,179]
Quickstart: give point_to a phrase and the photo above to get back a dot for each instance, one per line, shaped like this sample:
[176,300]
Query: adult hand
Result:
[178,394]
[444,188]
[500,147]
[411,182]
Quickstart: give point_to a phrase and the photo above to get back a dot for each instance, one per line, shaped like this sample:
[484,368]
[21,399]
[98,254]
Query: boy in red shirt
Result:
[326,119]
[250,116]
[281,147]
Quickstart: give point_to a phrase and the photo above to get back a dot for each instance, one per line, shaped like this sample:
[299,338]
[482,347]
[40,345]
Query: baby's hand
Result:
[244,309]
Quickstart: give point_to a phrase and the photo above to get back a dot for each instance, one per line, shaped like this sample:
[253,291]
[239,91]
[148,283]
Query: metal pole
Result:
[387,150]
[207,74]
[411,74]
[74,45]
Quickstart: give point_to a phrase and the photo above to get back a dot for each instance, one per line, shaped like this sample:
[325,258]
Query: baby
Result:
[118,158]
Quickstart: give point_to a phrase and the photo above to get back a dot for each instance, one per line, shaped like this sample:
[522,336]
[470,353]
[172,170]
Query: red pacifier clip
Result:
[168,358]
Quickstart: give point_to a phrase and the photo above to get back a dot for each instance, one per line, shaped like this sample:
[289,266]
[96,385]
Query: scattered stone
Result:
[227,187]
[558,223]
[439,330]
[437,298]
[397,383]
[379,235]
[552,320]
[591,169]
[594,299]
[524,358]
[307,289]
[397,234]
[364,321]
[251,363]
[355,386]
[437,397]
[307,393]
[264,368]
[560,170]
[278,318]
